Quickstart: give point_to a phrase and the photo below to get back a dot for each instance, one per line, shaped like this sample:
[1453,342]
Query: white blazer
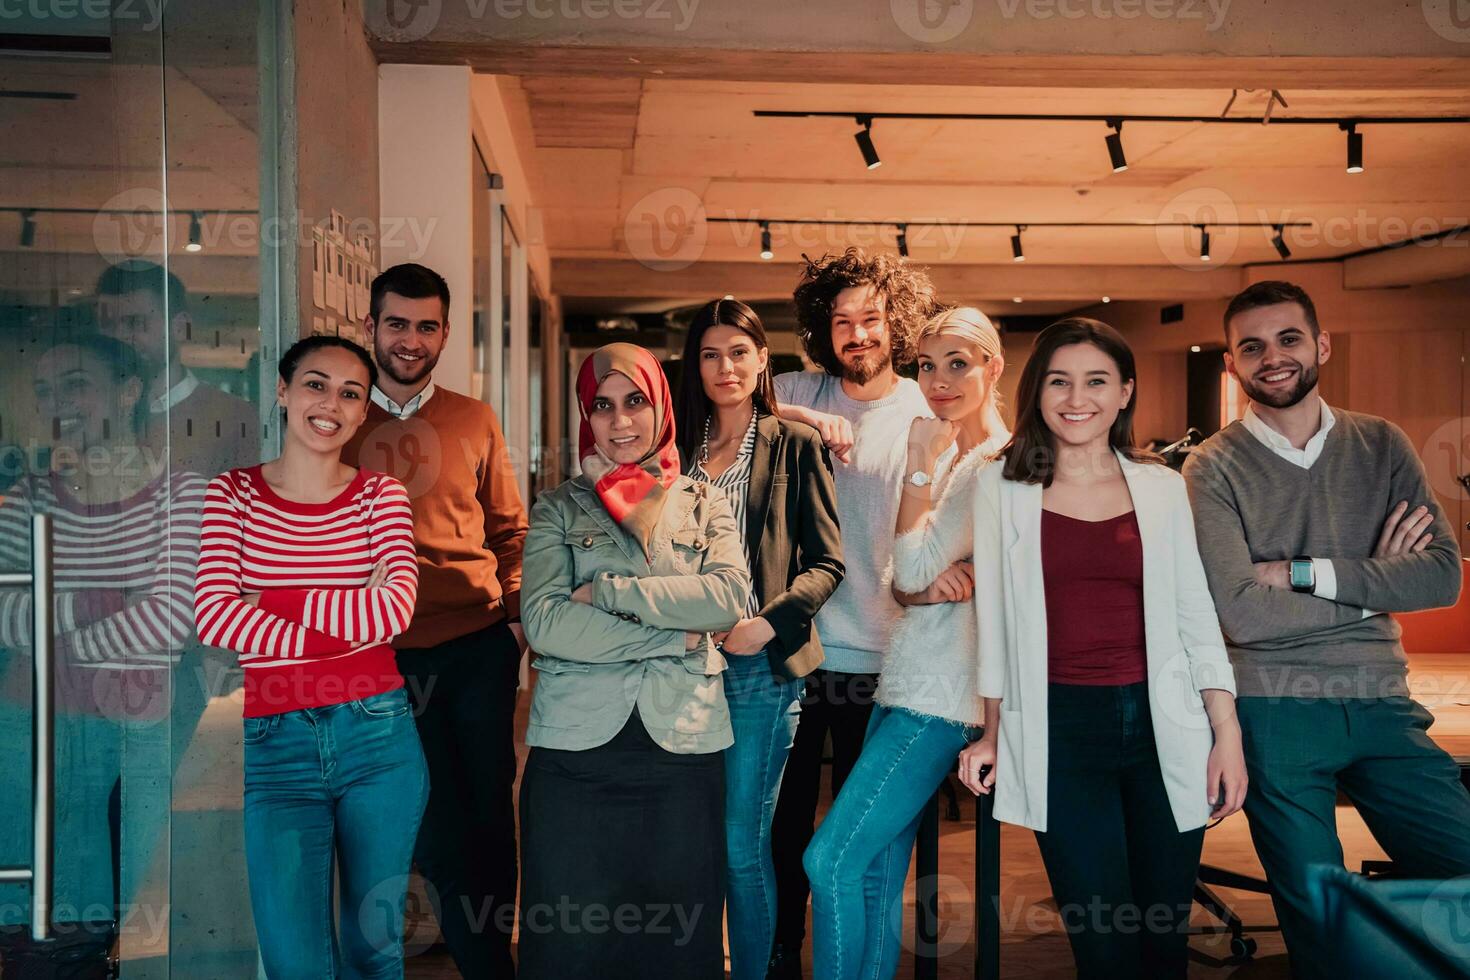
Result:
[1185,651]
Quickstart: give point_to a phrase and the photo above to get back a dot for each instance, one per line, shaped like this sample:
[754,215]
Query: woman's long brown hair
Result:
[1030,456]
[693,403]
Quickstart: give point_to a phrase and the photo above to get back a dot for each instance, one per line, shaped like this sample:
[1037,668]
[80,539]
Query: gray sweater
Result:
[1250,505]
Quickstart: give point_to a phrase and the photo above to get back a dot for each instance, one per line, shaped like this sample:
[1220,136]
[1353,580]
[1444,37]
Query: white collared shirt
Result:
[407,409]
[175,394]
[1281,446]
[1326,575]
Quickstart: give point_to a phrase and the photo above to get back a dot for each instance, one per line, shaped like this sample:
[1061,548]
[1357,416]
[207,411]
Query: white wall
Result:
[424,177]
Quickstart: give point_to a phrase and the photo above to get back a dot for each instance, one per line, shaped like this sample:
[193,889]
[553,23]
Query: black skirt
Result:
[622,862]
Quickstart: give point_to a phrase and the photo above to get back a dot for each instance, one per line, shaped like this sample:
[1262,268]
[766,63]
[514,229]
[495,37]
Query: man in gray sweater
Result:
[1314,523]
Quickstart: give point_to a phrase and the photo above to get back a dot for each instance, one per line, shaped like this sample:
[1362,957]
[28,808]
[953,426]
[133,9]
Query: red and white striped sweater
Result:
[318,635]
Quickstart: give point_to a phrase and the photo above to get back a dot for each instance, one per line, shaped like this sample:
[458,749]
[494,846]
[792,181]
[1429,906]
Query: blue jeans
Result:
[763,712]
[347,778]
[859,858]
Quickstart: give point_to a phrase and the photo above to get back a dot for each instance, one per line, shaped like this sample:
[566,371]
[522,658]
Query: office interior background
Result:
[588,170]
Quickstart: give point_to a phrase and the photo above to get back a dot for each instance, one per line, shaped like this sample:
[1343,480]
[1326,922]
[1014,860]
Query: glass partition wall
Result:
[139,347]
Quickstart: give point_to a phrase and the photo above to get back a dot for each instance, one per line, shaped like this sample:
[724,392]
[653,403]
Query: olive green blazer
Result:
[597,662]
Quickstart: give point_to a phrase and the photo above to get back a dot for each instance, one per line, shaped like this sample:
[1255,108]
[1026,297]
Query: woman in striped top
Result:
[307,570]
[125,535]
[779,483]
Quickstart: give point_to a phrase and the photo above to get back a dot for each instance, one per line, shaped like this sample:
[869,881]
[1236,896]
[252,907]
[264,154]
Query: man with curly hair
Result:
[858,316]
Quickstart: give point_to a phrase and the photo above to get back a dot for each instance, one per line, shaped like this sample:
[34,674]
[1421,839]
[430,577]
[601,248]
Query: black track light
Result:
[1115,146]
[1354,148]
[1279,240]
[1204,243]
[766,252]
[864,139]
[903,241]
[194,233]
[27,229]
[1017,254]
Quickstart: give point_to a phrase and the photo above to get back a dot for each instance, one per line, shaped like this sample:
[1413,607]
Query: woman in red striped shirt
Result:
[307,570]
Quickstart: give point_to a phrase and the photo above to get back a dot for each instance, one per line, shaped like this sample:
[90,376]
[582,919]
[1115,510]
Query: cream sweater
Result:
[931,664]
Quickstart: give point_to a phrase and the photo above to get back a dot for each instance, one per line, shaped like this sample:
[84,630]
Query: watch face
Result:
[1301,574]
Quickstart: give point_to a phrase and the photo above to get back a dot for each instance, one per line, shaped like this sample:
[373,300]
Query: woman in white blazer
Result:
[1110,724]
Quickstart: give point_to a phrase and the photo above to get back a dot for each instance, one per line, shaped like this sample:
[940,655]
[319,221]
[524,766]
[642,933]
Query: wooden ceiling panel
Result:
[579,177]
[583,112]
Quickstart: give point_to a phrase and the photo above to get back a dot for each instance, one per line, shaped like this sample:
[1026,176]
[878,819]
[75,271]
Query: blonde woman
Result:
[927,709]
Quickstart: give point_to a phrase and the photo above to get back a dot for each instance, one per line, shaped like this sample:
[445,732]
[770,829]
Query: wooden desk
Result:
[1441,682]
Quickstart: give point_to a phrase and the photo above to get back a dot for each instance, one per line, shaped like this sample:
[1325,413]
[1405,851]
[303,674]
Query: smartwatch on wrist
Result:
[1303,575]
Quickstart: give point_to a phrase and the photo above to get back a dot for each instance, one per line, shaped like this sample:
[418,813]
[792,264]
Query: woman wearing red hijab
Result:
[628,569]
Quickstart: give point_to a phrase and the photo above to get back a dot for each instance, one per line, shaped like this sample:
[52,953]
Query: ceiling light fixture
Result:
[1115,146]
[864,139]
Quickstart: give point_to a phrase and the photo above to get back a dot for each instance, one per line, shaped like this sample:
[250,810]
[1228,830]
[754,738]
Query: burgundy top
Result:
[1093,571]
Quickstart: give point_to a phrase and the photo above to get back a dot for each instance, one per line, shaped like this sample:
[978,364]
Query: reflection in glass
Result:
[130,274]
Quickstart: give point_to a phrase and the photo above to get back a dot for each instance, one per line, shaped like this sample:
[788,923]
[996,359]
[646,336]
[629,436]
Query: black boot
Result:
[785,964]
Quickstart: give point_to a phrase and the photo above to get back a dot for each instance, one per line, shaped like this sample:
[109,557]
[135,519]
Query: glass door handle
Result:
[42,584]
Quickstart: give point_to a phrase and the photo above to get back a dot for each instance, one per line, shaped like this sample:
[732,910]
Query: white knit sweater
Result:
[932,662]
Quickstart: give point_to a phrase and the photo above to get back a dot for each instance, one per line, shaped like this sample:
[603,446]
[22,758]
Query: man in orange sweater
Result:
[461,654]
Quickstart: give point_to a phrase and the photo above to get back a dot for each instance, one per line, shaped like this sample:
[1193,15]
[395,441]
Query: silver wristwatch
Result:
[919,479]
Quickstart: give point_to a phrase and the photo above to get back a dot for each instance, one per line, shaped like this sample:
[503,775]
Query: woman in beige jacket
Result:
[628,569]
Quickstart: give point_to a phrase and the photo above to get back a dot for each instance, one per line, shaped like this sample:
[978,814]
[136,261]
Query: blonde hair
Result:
[975,328]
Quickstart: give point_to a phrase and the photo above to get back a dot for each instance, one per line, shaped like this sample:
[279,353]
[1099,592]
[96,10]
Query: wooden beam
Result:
[1443,258]
[937,67]
[756,281]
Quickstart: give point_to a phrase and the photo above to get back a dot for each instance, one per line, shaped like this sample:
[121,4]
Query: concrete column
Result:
[425,192]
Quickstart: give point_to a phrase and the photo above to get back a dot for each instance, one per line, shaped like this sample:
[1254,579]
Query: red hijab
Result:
[632,493]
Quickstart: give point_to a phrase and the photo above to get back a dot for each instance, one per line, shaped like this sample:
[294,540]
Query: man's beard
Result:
[865,368]
[393,369]
[1306,380]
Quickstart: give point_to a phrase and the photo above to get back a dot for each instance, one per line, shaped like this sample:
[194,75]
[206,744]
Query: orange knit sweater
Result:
[469,523]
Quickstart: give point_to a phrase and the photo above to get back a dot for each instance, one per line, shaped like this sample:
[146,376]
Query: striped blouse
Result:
[124,573]
[317,636]
[735,482]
